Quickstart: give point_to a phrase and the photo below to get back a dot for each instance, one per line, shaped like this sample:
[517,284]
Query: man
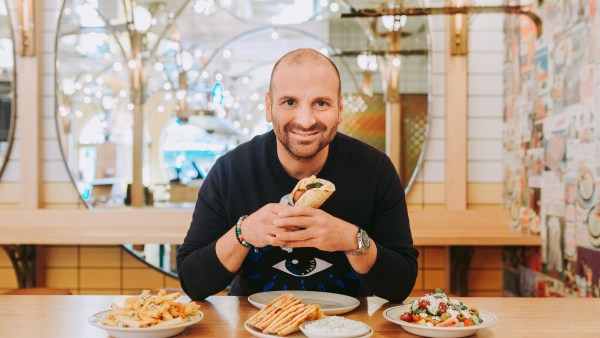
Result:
[281,247]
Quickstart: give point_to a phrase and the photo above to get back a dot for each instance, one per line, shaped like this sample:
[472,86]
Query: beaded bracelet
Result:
[238,232]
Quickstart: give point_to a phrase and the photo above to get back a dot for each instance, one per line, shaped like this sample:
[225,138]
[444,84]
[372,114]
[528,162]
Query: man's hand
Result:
[309,227]
[259,229]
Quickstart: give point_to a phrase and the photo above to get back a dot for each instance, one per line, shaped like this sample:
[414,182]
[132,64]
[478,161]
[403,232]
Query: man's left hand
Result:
[315,228]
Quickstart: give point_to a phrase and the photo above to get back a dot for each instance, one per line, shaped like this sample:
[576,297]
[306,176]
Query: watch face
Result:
[364,240]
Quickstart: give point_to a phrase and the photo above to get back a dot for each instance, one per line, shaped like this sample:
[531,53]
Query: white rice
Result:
[337,326]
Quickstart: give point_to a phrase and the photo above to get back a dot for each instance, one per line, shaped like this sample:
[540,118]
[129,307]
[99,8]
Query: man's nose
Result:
[305,116]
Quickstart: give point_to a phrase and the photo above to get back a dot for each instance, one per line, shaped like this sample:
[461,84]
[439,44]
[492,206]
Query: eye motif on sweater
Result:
[302,267]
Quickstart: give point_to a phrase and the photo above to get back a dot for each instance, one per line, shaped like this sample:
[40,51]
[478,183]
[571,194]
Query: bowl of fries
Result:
[148,316]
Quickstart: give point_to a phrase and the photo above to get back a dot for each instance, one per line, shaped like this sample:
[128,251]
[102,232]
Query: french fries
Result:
[148,310]
[283,315]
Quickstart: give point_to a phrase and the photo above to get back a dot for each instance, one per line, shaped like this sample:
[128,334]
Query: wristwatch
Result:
[364,242]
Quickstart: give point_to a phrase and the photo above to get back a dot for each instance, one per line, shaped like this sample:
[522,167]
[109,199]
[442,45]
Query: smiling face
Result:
[304,104]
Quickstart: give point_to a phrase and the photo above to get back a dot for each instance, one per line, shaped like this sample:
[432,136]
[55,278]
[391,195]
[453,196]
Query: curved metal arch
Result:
[13,88]
[263,29]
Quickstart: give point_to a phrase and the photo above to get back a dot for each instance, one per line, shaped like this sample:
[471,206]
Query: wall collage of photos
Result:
[552,150]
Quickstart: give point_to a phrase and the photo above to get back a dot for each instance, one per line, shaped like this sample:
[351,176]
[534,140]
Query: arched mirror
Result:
[205,72]
[7,85]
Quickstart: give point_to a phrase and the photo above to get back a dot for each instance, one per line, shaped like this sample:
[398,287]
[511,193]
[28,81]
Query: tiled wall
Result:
[485,111]
[8,279]
[80,269]
[484,279]
[100,270]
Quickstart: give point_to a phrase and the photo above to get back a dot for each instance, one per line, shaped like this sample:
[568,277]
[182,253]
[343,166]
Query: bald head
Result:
[305,55]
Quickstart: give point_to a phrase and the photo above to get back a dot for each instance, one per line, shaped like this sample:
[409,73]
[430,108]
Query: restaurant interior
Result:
[112,114]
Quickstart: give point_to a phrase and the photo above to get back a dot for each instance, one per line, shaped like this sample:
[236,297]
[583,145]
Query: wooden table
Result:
[66,316]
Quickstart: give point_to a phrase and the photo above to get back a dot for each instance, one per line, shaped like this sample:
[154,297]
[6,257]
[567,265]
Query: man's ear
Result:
[268,112]
[340,110]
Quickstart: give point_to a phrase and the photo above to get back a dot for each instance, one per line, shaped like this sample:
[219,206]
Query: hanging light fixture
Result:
[458,30]
[26,24]
[392,17]
[393,22]
[367,62]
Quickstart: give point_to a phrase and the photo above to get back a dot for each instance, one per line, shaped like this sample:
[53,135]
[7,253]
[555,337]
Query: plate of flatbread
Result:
[282,316]
[329,303]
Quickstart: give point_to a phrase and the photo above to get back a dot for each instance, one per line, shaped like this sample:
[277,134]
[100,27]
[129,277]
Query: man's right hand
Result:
[258,228]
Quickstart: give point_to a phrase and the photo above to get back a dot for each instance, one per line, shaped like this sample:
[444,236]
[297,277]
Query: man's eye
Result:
[302,267]
[321,103]
[289,102]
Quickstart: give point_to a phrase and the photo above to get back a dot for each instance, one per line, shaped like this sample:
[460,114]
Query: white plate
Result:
[393,315]
[310,334]
[258,333]
[330,303]
[147,332]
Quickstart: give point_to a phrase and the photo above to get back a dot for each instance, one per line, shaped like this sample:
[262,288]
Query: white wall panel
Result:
[485,63]
[11,171]
[436,150]
[486,106]
[486,41]
[485,129]
[49,106]
[485,84]
[434,171]
[438,40]
[490,150]
[438,65]
[48,85]
[49,128]
[438,128]
[438,106]
[50,18]
[54,168]
[15,151]
[52,150]
[55,171]
[439,84]
[49,59]
[49,41]
[52,4]
[484,172]
[484,22]
[438,23]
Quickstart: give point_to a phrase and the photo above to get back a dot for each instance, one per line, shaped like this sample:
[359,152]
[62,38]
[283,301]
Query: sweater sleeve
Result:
[200,271]
[394,272]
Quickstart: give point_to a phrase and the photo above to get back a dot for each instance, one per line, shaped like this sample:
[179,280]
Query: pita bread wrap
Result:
[312,192]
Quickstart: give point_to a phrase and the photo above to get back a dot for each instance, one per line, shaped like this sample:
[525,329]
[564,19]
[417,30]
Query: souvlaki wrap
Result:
[311,192]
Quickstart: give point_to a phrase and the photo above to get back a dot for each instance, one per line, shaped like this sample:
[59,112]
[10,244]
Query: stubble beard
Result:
[304,151]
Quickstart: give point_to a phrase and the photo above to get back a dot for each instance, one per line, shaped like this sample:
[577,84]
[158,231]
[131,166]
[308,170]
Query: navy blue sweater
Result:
[368,194]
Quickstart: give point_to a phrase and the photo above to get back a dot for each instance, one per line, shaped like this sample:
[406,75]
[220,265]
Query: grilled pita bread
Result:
[314,192]
[284,318]
[311,313]
[273,316]
[270,308]
[283,315]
